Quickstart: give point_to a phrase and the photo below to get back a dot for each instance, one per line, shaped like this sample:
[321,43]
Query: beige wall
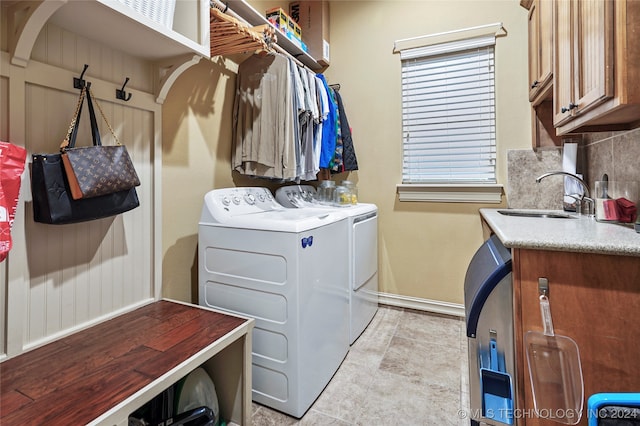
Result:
[196,157]
[424,247]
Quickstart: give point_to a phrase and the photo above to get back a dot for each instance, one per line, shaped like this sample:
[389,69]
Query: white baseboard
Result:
[435,306]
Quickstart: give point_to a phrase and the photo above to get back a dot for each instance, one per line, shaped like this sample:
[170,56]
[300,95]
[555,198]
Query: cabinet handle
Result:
[569,108]
[535,84]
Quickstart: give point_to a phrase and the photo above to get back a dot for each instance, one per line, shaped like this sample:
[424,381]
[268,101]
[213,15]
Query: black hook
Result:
[79,83]
[121,94]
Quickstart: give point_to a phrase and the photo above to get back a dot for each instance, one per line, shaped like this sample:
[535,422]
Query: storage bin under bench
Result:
[103,373]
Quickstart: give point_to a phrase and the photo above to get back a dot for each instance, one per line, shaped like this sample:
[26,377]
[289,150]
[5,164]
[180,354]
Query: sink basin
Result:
[524,213]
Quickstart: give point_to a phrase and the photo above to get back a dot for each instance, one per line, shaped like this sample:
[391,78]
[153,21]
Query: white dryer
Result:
[283,268]
[363,252]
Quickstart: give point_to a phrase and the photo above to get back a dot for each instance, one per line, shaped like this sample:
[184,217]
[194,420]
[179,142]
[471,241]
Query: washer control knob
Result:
[236,200]
[226,201]
[250,199]
[261,197]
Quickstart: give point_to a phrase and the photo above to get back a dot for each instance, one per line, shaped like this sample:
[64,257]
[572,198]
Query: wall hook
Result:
[121,94]
[79,83]
[543,287]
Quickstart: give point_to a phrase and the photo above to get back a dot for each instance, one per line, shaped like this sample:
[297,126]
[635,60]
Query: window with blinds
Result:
[448,113]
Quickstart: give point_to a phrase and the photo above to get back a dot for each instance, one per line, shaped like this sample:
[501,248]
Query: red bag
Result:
[12,160]
[627,210]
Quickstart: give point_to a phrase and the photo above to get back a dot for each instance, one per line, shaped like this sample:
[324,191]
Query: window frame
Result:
[481,191]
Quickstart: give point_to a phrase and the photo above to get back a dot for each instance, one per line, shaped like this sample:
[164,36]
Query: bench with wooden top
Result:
[103,373]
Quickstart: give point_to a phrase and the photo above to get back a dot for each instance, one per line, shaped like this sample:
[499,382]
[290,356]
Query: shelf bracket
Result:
[26,20]
[170,70]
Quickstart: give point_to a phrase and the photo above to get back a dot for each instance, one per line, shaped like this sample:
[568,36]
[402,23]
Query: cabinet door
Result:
[545,40]
[583,56]
[563,62]
[594,300]
[593,74]
[534,22]
[540,50]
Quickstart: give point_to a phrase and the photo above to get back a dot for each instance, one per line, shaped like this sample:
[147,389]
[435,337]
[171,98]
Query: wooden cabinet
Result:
[543,131]
[593,84]
[541,72]
[596,65]
[540,50]
[583,57]
[594,300]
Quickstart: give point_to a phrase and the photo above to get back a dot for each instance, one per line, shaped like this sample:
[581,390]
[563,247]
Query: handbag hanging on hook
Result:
[53,202]
[98,169]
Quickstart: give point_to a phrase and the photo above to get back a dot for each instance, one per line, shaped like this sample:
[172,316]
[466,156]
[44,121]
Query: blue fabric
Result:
[328,147]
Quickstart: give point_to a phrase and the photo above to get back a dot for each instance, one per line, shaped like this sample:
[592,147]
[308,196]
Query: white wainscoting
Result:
[61,278]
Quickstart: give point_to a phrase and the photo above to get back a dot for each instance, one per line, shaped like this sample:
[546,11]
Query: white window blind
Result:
[448,112]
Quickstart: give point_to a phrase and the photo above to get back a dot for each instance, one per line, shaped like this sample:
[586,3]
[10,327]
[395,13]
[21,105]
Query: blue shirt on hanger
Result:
[328,144]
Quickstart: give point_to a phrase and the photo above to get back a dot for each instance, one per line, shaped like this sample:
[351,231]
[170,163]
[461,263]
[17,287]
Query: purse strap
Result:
[95,132]
[70,139]
[92,99]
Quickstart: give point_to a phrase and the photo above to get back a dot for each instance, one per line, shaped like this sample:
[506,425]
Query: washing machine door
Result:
[365,249]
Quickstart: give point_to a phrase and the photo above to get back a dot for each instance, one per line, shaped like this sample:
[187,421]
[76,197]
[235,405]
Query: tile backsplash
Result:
[614,153]
[523,166]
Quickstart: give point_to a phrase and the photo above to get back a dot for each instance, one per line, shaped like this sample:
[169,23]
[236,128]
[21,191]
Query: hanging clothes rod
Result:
[224,7]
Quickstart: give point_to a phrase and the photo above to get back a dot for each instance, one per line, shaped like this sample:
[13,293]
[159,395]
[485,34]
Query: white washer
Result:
[283,268]
[363,252]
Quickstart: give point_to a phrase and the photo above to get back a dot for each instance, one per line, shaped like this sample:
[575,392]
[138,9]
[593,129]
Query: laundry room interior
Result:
[419,301]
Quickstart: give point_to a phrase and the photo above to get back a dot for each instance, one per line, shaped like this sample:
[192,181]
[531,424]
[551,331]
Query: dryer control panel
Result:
[220,204]
[297,196]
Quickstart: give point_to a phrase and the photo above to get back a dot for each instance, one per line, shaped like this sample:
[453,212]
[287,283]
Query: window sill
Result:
[450,193]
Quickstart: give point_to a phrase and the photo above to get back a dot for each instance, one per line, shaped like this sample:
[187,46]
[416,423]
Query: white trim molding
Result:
[434,306]
[449,36]
[451,193]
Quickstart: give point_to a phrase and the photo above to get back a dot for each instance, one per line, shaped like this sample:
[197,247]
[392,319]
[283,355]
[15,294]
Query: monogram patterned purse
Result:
[51,188]
[99,169]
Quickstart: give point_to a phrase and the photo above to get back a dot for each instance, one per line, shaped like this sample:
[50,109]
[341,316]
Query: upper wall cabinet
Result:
[584,57]
[596,65]
[584,68]
[540,50]
[541,72]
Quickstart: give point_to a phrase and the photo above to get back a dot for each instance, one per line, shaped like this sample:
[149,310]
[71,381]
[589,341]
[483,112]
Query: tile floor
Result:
[407,368]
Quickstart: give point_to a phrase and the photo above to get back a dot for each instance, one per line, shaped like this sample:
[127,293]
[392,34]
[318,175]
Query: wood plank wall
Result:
[66,277]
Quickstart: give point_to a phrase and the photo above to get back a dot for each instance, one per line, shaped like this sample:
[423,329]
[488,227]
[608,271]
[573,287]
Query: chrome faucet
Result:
[587,193]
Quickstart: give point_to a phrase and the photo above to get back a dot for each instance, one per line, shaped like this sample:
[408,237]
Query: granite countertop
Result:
[582,234]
